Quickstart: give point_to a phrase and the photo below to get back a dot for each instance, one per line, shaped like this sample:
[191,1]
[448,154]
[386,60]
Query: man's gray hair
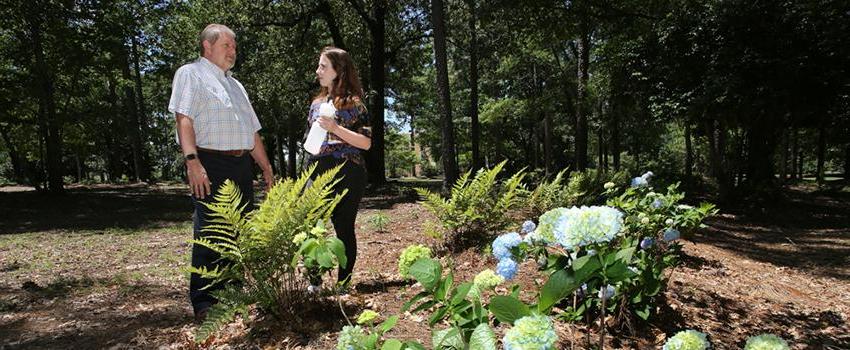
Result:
[212,32]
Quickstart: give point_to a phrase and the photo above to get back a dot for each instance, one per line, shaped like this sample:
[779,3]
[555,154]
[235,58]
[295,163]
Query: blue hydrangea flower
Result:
[527,227]
[671,234]
[545,232]
[607,292]
[531,332]
[639,182]
[503,244]
[646,243]
[657,203]
[647,175]
[506,268]
[687,340]
[578,227]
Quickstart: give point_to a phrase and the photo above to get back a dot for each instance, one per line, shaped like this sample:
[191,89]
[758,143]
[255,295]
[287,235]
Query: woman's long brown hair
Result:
[347,88]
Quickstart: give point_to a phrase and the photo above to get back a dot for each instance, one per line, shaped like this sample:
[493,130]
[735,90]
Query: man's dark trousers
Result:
[219,168]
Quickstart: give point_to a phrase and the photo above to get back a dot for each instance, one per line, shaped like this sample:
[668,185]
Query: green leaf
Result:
[412,345]
[585,267]
[507,309]
[449,338]
[559,286]
[625,255]
[424,306]
[413,300]
[482,338]
[338,248]
[617,272]
[444,287]
[388,324]
[392,344]
[438,315]
[460,293]
[325,258]
[427,272]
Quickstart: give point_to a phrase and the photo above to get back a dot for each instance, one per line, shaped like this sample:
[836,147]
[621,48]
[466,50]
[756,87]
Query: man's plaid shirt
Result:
[218,105]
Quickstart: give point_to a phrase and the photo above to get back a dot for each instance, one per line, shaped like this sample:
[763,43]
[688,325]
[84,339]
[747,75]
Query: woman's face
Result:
[325,73]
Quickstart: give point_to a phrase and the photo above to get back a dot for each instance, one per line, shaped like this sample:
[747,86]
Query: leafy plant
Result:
[262,249]
[476,207]
[379,222]
[582,188]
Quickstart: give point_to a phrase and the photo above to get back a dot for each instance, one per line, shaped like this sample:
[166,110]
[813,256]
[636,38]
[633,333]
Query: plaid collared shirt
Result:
[218,105]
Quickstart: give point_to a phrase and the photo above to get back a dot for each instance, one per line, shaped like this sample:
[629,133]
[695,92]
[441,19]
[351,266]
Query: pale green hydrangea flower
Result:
[687,340]
[299,238]
[409,256]
[766,342]
[487,279]
[533,332]
[366,316]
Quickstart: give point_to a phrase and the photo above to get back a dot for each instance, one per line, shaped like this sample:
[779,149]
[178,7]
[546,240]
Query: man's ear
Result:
[206,45]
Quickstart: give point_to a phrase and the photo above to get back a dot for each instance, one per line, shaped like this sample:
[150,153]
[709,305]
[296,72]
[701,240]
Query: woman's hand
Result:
[329,123]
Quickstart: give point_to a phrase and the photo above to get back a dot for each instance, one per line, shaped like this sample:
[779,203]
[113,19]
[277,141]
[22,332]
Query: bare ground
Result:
[100,268]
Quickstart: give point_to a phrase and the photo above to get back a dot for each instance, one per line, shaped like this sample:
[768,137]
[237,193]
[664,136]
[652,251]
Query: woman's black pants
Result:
[353,179]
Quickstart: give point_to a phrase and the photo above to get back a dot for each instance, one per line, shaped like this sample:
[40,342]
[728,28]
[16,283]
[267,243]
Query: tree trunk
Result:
[847,162]
[819,175]
[293,145]
[547,144]
[783,157]
[14,156]
[377,73]
[583,43]
[689,151]
[131,113]
[615,135]
[443,94]
[761,144]
[475,128]
[795,152]
[48,122]
[141,114]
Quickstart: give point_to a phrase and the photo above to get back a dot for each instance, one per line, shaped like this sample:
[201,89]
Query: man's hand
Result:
[268,177]
[199,183]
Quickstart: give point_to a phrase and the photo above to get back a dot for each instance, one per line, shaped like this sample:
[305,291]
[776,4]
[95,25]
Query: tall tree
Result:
[444,103]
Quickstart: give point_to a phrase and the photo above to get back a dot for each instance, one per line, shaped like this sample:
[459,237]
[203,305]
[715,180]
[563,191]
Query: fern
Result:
[477,207]
[257,248]
[582,188]
[222,313]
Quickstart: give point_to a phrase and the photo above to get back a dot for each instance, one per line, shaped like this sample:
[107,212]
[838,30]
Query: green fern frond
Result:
[218,316]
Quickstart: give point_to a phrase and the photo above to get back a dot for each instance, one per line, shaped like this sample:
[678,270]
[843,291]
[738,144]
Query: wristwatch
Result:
[191,156]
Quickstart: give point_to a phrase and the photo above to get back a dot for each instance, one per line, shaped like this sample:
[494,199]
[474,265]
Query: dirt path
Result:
[77,281]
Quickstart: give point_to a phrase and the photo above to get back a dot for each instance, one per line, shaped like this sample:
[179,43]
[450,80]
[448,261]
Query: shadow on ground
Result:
[807,231]
[95,208]
[71,313]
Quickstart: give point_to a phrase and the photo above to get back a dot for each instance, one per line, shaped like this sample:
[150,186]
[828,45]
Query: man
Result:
[217,129]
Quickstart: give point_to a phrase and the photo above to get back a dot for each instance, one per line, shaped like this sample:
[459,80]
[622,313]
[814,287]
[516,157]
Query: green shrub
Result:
[476,208]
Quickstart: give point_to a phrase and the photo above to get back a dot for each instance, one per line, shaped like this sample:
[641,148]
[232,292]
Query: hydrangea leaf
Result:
[508,309]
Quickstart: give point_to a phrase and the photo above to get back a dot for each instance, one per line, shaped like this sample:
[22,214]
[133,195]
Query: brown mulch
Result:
[784,271]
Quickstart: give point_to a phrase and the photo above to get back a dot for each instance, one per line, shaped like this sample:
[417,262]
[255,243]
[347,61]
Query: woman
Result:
[349,134]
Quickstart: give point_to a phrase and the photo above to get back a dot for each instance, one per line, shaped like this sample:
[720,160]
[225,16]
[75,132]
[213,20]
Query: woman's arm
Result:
[352,138]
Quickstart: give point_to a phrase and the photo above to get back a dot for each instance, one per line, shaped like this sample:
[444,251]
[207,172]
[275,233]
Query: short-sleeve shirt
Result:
[218,105]
[355,118]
